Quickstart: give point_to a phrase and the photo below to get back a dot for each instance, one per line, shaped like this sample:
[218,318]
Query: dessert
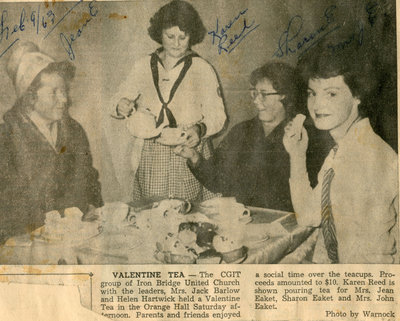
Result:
[181,206]
[204,232]
[173,250]
[230,246]
[226,243]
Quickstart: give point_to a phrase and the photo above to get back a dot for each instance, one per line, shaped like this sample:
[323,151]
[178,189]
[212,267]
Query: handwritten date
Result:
[27,19]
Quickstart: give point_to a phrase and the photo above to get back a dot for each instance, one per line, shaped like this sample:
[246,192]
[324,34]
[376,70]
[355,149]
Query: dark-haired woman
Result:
[181,90]
[355,203]
[251,163]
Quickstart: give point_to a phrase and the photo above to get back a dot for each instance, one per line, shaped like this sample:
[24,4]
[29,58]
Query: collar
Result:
[354,132]
[39,121]
[181,60]
[275,136]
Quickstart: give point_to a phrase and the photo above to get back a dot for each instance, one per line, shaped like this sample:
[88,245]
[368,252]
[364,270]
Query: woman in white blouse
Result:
[355,203]
[181,90]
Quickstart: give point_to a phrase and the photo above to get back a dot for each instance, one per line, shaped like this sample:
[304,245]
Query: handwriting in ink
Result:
[227,26]
[227,43]
[62,18]
[290,41]
[357,37]
[67,41]
[5,30]
[372,7]
[235,41]
[9,31]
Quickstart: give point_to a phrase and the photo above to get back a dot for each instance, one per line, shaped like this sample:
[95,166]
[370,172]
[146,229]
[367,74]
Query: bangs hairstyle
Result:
[64,69]
[181,14]
[322,62]
[286,81]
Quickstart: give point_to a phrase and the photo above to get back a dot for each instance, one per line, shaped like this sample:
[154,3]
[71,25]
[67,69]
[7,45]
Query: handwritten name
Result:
[227,43]
[67,41]
[290,41]
[356,37]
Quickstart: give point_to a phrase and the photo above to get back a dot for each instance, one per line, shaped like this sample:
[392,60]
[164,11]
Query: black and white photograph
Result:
[198,132]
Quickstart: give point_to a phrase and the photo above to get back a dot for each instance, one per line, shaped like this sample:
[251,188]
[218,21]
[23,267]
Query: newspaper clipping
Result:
[199,160]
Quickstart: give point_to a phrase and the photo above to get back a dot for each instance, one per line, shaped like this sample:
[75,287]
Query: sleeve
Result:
[305,200]
[212,105]
[4,161]
[5,178]
[88,188]
[93,183]
[15,198]
[129,87]
[205,172]
[213,172]
[12,185]
[118,141]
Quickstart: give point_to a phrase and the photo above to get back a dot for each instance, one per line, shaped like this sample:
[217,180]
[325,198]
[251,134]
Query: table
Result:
[288,243]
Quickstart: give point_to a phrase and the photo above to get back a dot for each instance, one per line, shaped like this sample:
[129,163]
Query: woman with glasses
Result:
[251,163]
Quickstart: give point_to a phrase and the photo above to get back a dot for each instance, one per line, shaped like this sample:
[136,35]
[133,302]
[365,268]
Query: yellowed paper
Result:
[120,261]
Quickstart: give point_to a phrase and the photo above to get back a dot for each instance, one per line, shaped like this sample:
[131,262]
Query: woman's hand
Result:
[192,136]
[295,140]
[125,107]
[188,153]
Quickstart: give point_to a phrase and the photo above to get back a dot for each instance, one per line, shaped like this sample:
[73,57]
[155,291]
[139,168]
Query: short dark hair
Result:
[177,13]
[27,100]
[325,61]
[285,81]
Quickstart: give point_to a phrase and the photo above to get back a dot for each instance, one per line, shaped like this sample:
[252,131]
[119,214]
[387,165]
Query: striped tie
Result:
[327,223]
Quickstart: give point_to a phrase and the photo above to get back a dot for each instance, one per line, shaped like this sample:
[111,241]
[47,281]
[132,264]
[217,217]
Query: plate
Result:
[172,137]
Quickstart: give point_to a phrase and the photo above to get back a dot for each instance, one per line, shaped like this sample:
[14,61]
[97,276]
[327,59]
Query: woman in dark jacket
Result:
[251,163]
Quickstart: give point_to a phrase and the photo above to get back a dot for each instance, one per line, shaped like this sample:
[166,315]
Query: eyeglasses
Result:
[254,94]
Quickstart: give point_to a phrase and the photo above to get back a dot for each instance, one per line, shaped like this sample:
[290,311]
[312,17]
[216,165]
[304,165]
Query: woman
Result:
[181,90]
[251,163]
[355,203]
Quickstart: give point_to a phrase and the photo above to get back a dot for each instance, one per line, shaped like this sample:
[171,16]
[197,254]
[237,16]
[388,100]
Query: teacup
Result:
[213,206]
[235,212]
[225,209]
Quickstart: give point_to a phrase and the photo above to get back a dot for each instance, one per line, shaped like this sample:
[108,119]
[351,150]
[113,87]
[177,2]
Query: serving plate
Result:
[172,137]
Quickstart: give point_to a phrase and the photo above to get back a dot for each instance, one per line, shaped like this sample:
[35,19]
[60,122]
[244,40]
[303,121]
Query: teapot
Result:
[142,124]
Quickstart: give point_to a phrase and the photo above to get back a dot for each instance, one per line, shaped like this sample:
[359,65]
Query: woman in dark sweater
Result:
[251,163]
